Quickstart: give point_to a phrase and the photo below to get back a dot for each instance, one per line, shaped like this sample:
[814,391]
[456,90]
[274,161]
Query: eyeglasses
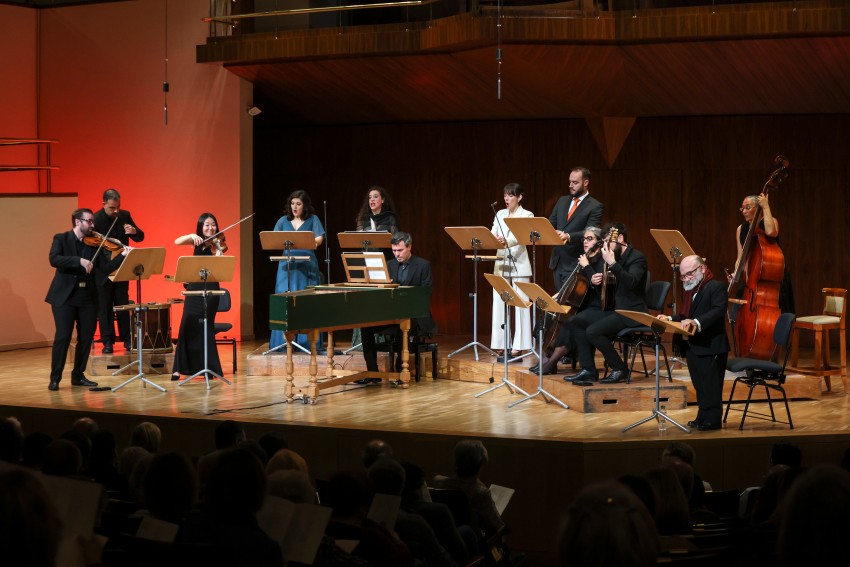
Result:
[690,274]
[589,238]
[746,208]
[90,221]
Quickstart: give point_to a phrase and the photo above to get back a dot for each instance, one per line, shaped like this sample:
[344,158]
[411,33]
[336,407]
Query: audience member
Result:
[287,460]
[272,442]
[815,522]
[641,488]
[62,458]
[11,440]
[672,516]
[470,456]
[229,434]
[608,525]
[147,436]
[255,448]
[82,442]
[34,447]
[785,453]
[292,485]
[170,487]
[85,425]
[374,450]
[29,528]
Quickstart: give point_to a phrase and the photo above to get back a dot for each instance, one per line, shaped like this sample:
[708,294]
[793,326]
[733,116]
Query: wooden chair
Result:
[832,318]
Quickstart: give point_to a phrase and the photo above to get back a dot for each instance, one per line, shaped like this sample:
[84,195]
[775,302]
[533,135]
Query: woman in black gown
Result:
[189,354]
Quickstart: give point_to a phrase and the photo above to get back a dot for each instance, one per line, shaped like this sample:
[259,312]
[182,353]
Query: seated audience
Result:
[146,435]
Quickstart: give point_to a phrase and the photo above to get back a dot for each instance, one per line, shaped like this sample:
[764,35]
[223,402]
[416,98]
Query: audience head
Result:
[146,435]
[641,488]
[170,487]
[229,434]
[815,522]
[62,458]
[292,485]
[349,494]
[128,459]
[236,485]
[82,442]
[287,460]
[272,442]
[470,456]
[11,440]
[785,453]
[608,525]
[29,528]
[678,451]
[85,425]
[414,482]
[374,450]
[387,476]
[672,511]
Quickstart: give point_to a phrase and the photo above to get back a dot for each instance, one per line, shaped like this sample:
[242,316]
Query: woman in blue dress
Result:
[299,216]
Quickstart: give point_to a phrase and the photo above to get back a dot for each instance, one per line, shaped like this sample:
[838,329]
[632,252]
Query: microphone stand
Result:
[327,243]
[676,256]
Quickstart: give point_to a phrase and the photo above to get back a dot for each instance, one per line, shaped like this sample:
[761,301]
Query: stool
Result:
[832,318]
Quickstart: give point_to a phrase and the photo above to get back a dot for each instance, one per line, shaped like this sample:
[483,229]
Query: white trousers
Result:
[520,326]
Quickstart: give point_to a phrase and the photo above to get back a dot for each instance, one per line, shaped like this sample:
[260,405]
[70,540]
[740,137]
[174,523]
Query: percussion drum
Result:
[156,328]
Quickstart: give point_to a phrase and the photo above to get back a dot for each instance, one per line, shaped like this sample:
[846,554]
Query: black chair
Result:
[765,373]
[634,339]
[224,305]
[417,343]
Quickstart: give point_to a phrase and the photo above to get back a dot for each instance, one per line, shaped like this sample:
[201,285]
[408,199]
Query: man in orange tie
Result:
[571,215]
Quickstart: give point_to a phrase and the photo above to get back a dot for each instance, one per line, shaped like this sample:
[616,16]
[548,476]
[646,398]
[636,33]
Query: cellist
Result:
[591,266]
[770,225]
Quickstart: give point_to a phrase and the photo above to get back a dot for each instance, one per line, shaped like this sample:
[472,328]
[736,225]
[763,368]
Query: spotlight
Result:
[254,111]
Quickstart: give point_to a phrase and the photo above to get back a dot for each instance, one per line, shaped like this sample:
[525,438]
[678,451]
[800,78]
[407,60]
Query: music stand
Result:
[288,240]
[365,240]
[509,296]
[658,327]
[539,230]
[545,302]
[675,247]
[205,269]
[474,238]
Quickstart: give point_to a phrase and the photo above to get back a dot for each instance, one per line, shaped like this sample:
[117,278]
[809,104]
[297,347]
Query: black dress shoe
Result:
[550,367]
[694,423]
[107,348]
[616,377]
[583,376]
[584,382]
[708,426]
[175,376]
[54,386]
[83,382]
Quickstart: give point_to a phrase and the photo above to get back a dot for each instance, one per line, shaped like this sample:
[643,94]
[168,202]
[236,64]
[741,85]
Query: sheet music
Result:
[501,496]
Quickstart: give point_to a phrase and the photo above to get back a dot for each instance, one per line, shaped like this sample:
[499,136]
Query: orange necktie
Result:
[573,207]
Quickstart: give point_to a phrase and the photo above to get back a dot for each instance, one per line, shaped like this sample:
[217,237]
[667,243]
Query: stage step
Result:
[106,364]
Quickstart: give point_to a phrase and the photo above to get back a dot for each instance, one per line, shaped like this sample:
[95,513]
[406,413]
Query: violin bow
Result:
[240,221]
[102,242]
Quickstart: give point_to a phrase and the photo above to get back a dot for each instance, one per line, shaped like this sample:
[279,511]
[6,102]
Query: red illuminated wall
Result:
[101,70]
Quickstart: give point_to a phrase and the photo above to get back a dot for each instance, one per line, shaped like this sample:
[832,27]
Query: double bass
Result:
[765,269]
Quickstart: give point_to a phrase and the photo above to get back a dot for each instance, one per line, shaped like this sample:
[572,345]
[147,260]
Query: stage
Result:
[542,450]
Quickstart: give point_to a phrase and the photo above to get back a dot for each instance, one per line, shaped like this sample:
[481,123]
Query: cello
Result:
[765,269]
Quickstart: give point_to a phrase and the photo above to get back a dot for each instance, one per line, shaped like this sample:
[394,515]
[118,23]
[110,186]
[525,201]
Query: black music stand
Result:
[288,240]
[139,264]
[475,238]
[205,269]
[509,296]
[539,230]
[675,247]
[658,327]
[545,302]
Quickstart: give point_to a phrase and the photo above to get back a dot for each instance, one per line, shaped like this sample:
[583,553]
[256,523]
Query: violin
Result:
[217,244]
[96,239]
[609,280]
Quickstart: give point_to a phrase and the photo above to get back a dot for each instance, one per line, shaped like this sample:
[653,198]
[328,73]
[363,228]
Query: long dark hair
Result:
[366,212]
[306,212]
[200,230]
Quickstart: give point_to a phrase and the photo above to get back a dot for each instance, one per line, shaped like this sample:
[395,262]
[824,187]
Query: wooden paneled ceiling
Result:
[691,62]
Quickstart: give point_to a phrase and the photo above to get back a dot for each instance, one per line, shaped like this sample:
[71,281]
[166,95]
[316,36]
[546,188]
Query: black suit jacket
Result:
[631,273]
[709,306]
[69,273]
[417,273]
[102,222]
[588,213]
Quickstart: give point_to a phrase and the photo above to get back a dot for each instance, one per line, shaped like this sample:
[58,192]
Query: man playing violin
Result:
[73,295]
[596,330]
[111,293]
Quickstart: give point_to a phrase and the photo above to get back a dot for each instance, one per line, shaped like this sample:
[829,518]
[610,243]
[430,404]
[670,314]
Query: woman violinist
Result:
[591,264]
[189,354]
[770,225]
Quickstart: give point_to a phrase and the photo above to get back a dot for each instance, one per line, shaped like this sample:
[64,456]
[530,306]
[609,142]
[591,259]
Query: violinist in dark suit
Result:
[73,295]
[404,269]
[109,293]
[703,310]
[571,215]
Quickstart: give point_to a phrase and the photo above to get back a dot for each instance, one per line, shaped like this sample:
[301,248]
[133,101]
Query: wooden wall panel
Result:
[684,173]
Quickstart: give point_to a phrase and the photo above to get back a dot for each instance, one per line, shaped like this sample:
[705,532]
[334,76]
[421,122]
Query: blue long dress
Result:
[303,275]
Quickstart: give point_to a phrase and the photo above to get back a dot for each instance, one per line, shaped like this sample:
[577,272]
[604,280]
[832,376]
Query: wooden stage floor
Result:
[533,444]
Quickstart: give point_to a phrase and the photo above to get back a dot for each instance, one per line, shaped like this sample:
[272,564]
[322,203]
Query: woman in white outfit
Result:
[518,270]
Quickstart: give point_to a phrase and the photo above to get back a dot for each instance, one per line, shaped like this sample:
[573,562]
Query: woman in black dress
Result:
[189,354]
